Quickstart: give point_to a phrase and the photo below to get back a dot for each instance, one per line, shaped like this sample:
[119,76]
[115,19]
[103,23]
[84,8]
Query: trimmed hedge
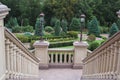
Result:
[61,44]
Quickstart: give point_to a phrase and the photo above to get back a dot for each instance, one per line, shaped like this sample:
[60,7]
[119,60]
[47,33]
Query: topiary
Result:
[57,28]
[75,25]
[93,45]
[49,29]
[91,37]
[72,34]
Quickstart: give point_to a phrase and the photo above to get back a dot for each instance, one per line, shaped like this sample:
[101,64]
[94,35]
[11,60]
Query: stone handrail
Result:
[20,63]
[104,62]
[60,57]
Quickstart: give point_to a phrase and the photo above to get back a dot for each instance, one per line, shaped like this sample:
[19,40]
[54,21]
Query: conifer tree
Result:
[93,27]
[113,29]
[75,24]
[57,28]
[64,25]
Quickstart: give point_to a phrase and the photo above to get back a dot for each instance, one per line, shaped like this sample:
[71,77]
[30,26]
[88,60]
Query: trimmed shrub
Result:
[72,34]
[75,24]
[17,29]
[23,38]
[93,45]
[27,28]
[57,28]
[49,29]
[31,44]
[61,44]
[91,37]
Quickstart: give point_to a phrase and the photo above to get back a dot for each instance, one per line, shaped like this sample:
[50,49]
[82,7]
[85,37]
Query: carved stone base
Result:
[43,66]
[77,66]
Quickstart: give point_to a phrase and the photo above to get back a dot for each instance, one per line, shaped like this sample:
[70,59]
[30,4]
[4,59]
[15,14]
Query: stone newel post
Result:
[80,53]
[4,10]
[41,52]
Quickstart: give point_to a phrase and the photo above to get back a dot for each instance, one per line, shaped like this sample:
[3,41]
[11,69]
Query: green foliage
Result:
[49,29]
[61,44]
[113,29]
[104,29]
[17,29]
[20,29]
[91,37]
[93,45]
[23,38]
[12,23]
[53,21]
[27,28]
[118,23]
[93,27]
[64,25]
[75,24]
[57,28]
[73,34]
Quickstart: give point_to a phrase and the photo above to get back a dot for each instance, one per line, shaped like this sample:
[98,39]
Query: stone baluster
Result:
[61,57]
[118,63]
[11,59]
[56,58]
[52,57]
[107,58]
[65,60]
[112,58]
[69,58]
[115,57]
[7,57]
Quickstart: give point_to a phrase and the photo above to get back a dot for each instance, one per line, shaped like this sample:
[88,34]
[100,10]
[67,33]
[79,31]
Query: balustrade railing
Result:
[20,63]
[60,57]
[104,62]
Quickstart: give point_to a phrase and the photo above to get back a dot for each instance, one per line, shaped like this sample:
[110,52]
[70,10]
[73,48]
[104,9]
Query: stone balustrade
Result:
[104,62]
[20,63]
[60,57]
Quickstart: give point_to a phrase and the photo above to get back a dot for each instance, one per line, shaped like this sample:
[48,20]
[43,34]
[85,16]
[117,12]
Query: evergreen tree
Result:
[64,25]
[12,23]
[113,29]
[93,27]
[57,28]
[75,25]
[39,27]
[118,23]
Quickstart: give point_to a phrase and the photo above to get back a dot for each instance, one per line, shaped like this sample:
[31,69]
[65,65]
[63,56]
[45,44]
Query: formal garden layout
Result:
[70,32]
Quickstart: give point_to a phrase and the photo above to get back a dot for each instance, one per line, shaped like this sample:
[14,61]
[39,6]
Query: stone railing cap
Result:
[41,43]
[78,43]
[3,8]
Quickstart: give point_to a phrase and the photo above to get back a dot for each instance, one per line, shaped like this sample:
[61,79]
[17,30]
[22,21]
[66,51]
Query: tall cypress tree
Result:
[57,28]
[113,29]
[64,25]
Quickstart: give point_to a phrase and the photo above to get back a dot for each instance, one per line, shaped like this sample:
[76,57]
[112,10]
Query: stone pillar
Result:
[79,54]
[3,12]
[41,52]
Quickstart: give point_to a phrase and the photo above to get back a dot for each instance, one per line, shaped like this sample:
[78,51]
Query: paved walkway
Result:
[60,74]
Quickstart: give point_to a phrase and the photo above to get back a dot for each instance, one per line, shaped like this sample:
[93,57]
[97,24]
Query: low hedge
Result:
[61,44]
